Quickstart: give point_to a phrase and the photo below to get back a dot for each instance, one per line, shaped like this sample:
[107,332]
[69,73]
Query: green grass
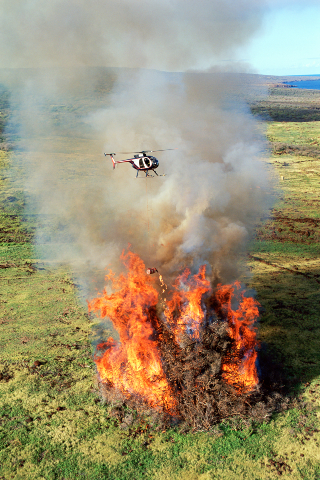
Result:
[296,133]
[285,259]
[52,422]
[287,249]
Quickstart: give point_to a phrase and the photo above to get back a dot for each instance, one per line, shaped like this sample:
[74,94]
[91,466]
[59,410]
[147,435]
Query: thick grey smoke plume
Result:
[166,34]
[160,34]
[204,209]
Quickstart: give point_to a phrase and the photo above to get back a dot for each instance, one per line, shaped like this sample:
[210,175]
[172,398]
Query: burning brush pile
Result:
[190,357]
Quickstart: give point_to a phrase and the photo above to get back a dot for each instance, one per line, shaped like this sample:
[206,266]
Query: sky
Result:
[288,42]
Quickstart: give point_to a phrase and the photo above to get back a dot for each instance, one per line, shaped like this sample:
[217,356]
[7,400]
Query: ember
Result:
[195,359]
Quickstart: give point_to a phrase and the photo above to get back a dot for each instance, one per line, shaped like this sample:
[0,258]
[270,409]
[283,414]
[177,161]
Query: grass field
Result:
[289,105]
[52,422]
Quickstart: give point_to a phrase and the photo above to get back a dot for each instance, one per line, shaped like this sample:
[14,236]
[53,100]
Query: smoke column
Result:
[204,210]
[167,35]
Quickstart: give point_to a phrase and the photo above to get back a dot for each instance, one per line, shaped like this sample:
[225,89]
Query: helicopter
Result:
[141,161]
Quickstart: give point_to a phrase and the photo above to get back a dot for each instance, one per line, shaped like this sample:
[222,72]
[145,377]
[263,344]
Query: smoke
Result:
[203,211]
[166,35]
[205,208]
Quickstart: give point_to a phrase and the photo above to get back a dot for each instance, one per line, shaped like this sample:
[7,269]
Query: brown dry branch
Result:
[194,372]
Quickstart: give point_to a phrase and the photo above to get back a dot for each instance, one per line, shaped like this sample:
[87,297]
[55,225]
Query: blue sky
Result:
[288,42]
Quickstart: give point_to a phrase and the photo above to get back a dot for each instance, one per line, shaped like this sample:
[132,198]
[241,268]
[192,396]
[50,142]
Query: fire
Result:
[185,311]
[134,365]
[239,368]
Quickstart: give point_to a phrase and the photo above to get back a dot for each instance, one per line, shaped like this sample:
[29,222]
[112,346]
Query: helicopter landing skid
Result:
[148,175]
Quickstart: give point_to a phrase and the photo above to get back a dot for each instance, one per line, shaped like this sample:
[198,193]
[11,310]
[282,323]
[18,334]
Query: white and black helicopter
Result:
[141,161]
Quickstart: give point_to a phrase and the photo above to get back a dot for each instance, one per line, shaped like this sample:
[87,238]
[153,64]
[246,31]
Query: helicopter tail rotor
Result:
[111,155]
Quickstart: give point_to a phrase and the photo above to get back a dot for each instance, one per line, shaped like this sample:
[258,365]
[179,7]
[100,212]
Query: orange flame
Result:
[132,365]
[184,312]
[239,369]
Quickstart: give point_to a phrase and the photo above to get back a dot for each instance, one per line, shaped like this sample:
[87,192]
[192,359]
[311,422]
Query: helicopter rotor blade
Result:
[164,150]
[127,153]
[148,151]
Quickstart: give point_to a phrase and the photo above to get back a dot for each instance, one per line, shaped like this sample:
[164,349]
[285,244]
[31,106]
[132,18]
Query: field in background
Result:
[52,423]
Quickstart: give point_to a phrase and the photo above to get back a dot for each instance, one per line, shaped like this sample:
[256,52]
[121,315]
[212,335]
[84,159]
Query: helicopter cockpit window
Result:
[141,164]
[147,162]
